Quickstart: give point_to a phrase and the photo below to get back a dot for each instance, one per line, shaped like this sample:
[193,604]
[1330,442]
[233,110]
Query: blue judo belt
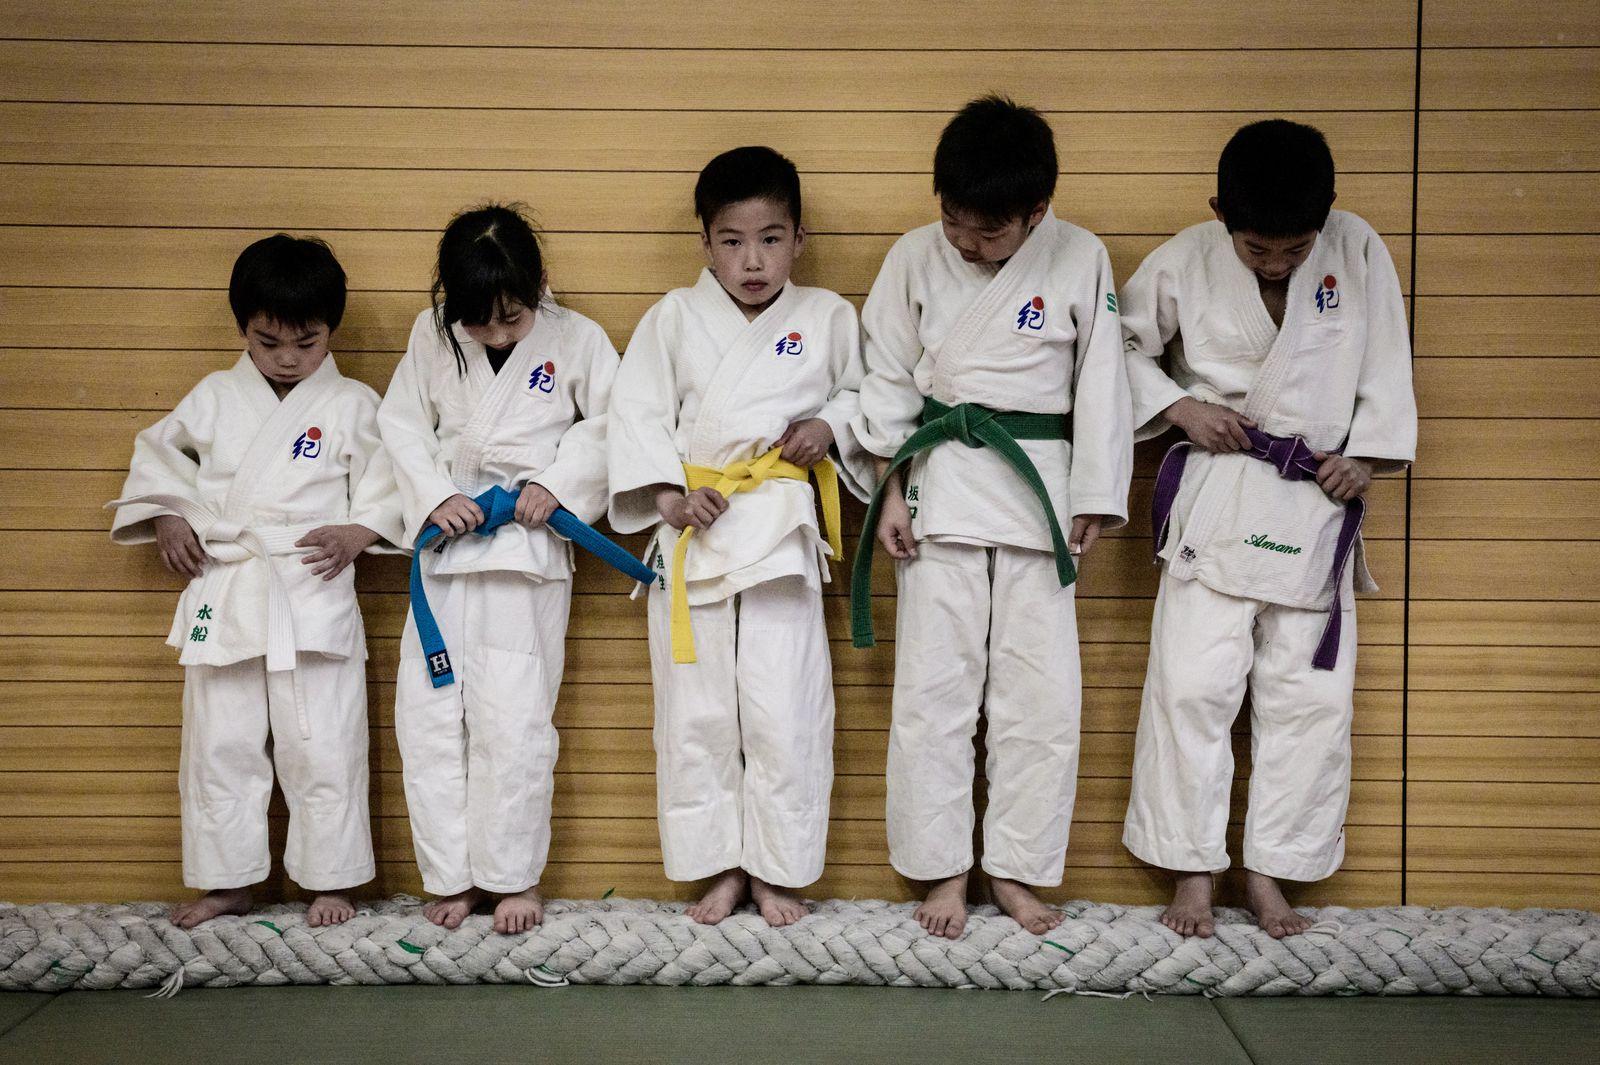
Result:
[499,506]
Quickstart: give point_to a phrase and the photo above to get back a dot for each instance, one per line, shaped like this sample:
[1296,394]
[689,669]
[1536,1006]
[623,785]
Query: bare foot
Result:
[779,905]
[726,892]
[521,912]
[944,911]
[450,910]
[1272,910]
[1020,904]
[234,901]
[328,908]
[1189,913]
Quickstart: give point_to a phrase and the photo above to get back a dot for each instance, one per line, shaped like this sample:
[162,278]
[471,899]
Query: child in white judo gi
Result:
[997,405]
[261,487]
[500,386]
[733,393]
[1275,339]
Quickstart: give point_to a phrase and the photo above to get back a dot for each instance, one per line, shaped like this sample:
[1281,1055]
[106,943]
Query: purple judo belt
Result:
[1292,457]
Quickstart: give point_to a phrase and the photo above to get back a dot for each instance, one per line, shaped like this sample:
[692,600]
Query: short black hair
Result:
[489,257]
[749,173]
[1275,178]
[295,281]
[996,159]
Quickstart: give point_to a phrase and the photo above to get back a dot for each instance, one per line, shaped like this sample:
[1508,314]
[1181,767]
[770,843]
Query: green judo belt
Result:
[974,426]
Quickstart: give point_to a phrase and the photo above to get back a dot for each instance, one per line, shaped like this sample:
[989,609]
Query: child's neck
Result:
[1275,296]
[280,389]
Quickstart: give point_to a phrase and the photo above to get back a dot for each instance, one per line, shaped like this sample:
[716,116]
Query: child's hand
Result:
[1343,478]
[1211,426]
[1085,531]
[535,504]
[894,522]
[699,508]
[333,547]
[180,549]
[806,442]
[456,516]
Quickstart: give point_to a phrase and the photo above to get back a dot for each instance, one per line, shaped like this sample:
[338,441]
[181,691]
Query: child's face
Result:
[285,354]
[512,322]
[751,247]
[983,240]
[1272,258]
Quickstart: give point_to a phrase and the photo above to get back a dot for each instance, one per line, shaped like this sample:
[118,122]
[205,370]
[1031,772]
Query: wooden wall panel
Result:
[1503,771]
[142,144]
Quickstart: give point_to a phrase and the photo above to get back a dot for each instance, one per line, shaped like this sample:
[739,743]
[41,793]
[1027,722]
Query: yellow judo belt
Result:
[729,481]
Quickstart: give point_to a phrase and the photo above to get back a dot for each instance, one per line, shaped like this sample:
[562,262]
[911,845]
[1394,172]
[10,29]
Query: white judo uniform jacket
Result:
[257,473]
[1337,373]
[540,420]
[744,734]
[982,620]
[271,647]
[478,755]
[704,387]
[1039,335]
[1247,599]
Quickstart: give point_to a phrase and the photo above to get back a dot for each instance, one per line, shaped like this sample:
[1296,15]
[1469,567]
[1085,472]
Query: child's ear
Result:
[1037,214]
[705,245]
[1216,210]
[799,239]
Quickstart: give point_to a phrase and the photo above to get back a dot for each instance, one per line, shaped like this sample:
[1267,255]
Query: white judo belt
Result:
[231,541]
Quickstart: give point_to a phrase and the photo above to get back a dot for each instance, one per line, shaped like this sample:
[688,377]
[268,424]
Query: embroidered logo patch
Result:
[1031,316]
[1260,540]
[543,378]
[1328,294]
[1186,553]
[308,445]
[789,345]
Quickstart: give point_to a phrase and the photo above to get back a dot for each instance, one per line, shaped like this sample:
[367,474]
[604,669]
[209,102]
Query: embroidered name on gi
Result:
[789,345]
[1328,294]
[1031,316]
[308,445]
[543,378]
[1260,540]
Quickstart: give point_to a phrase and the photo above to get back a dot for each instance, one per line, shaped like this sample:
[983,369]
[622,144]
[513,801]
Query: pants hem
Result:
[1030,881]
[1141,849]
[1300,872]
[949,871]
[334,880]
[226,881]
[788,883]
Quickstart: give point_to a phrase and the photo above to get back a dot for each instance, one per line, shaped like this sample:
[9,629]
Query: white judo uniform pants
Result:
[744,735]
[478,756]
[1206,648]
[991,627]
[225,773]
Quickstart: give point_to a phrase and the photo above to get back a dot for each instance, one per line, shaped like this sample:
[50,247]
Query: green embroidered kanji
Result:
[204,613]
[1111,302]
[198,634]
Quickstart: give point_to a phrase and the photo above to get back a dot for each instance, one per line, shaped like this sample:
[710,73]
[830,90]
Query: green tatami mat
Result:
[16,1007]
[1400,1031]
[605,1025]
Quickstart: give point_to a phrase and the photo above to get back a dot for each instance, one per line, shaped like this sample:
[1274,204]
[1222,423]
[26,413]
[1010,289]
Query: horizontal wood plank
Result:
[940,24]
[1510,78]
[1475,327]
[1509,141]
[696,79]
[1088,142]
